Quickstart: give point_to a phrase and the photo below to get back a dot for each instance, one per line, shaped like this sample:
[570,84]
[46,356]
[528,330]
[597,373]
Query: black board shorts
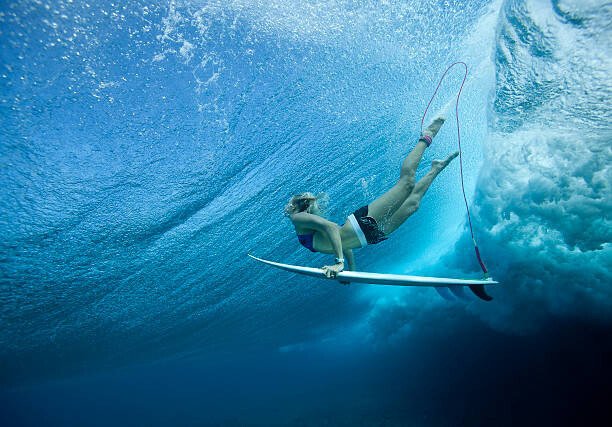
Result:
[368,225]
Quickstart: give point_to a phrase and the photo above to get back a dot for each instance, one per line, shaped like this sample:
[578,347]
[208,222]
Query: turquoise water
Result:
[147,147]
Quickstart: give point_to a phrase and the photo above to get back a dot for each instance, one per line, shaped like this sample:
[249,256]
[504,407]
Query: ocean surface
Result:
[147,146]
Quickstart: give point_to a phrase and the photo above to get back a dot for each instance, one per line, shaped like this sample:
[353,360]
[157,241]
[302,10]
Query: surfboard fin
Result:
[458,292]
[480,292]
[445,293]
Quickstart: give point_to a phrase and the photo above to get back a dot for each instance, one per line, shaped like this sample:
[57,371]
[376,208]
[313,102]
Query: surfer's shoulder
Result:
[307,220]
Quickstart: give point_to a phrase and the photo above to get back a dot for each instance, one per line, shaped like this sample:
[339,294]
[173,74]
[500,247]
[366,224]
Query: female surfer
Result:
[369,224]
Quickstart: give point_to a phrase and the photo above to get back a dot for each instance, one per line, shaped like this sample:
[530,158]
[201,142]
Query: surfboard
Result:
[378,278]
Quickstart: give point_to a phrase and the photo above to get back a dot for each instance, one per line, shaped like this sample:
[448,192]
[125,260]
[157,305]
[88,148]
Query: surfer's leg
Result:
[411,204]
[410,164]
[388,203]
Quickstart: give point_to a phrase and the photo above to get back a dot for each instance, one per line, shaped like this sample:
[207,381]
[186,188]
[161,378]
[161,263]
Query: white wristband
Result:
[339,260]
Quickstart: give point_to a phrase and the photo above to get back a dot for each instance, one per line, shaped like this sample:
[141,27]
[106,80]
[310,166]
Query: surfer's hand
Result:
[332,271]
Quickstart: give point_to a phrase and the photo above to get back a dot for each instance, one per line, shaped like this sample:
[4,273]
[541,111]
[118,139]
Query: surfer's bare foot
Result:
[434,127]
[441,164]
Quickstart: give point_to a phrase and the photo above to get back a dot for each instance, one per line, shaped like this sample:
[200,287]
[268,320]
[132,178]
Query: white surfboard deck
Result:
[377,278]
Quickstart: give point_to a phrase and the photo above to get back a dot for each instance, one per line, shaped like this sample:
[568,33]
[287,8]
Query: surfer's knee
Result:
[408,172]
[407,182]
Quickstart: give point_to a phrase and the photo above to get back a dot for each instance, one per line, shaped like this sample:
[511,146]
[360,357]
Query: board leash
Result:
[467,208]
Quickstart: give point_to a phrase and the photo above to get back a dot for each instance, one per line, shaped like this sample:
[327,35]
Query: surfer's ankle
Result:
[438,165]
[426,139]
[432,130]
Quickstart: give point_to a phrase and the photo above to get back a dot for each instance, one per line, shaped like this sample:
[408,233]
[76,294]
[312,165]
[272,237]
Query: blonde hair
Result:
[299,203]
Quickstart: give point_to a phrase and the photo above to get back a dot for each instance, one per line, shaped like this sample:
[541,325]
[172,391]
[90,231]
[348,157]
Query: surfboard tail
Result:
[480,292]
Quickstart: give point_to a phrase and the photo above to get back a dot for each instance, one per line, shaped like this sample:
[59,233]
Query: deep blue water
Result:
[147,147]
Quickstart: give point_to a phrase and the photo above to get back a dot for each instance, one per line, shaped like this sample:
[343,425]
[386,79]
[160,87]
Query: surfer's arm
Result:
[329,229]
[350,258]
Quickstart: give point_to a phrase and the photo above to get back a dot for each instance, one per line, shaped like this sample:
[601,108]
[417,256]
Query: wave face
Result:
[147,147]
